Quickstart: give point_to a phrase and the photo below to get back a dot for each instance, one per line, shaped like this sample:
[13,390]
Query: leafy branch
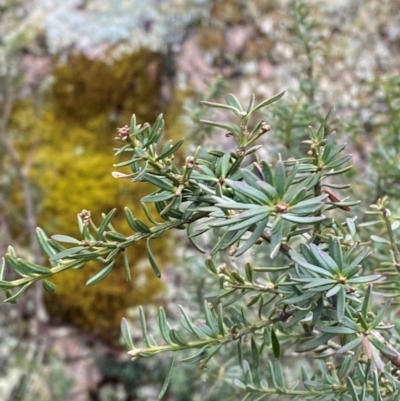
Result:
[314,297]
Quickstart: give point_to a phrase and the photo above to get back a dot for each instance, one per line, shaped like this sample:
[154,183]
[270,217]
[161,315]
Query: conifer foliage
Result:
[316,297]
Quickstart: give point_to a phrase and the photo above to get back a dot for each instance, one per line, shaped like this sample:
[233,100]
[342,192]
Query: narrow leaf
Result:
[340,304]
[152,260]
[126,266]
[168,378]
[126,335]
[350,345]
[65,238]
[266,102]
[105,223]
[48,286]
[171,150]
[276,347]
[101,274]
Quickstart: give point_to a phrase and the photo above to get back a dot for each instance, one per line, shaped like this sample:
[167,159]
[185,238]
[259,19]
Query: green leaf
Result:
[352,389]
[308,206]
[152,260]
[48,286]
[276,236]
[316,342]
[101,274]
[251,192]
[296,318]
[267,189]
[2,268]
[163,325]
[139,226]
[324,260]
[221,106]
[277,375]
[176,338]
[350,345]
[380,240]
[168,378]
[328,147]
[338,162]
[364,279]
[251,103]
[211,266]
[276,347]
[249,272]
[171,150]
[157,197]
[266,102]
[240,385]
[126,335]
[160,182]
[233,102]
[334,152]
[255,352]
[280,178]
[333,291]
[267,173]
[303,219]
[106,221]
[335,251]
[303,263]
[197,357]
[223,165]
[388,352]
[17,266]
[65,238]
[365,305]
[221,325]
[210,320]
[361,256]
[321,129]
[318,282]
[139,172]
[376,392]
[157,127]
[12,298]
[307,183]
[336,329]
[381,314]
[228,126]
[254,237]
[67,253]
[248,222]
[126,266]
[190,326]
[130,218]
[250,178]
[340,304]
[205,329]
[149,343]
[43,241]
[292,175]
[34,268]
[114,236]
[292,198]
[337,172]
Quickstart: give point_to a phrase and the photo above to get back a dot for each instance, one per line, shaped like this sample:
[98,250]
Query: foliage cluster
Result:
[316,297]
[78,106]
[282,335]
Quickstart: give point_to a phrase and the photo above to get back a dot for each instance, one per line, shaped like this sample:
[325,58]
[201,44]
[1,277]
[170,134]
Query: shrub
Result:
[312,295]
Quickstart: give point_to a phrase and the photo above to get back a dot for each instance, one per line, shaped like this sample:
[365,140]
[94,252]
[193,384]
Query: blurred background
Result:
[73,71]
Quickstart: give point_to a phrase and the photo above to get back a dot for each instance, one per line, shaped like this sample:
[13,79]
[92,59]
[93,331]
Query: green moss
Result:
[72,169]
